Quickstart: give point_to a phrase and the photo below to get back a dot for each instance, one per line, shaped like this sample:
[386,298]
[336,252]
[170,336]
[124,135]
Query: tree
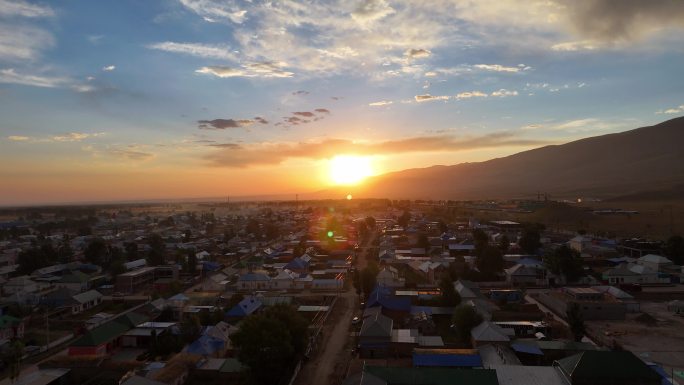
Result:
[423,242]
[404,219]
[576,321]
[450,296]
[190,329]
[443,227]
[96,252]
[674,249]
[480,240]
[504,244]
[490,261]
[157,254]
[36,257]
[131,249]
[368,278]
[270,342]
[530,241]
[370,222]
[465,318]
[564,261]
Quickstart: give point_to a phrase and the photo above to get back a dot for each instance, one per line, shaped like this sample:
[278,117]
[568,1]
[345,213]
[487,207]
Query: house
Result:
[75,281]
[11,328]
[284,280]
[389,277]
[386,375]
[136,264]
[22,284]
[143,334]
[375,335]
[216,282]
[447,358]
[107,337]
[657,263]
[606,367]
[676,306]
[629,273]
[525,375]
[298,265]
[254,281]
[247,306]
[467,289]
[523,274]
[489,333]
[85,301]
[56,376]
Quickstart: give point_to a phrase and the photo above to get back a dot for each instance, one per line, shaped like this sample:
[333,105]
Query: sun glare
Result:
[349,169]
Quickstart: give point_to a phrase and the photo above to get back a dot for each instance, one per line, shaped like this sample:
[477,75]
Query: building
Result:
[85,301]
[593,304]
[375,335]
[531,275]
[107,337]
[254,281]
[606,367]
[11,328]
[143,278]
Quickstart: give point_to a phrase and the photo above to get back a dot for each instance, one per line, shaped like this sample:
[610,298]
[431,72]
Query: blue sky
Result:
[159,99]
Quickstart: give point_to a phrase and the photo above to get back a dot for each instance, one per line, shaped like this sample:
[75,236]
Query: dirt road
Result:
[327,366]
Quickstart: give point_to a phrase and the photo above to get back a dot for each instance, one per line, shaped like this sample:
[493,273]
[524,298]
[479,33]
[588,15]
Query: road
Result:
[328,366]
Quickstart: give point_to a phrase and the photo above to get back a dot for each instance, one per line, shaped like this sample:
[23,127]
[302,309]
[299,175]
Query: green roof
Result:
[8,321]
[607,365]
[232,365]
[110,330]
[433,376]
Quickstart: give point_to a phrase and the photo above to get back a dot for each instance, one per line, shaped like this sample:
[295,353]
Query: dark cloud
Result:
[301,92]
[305,114]
[222,124]
[232,146]
[615,20]
[269,154]
[322,110]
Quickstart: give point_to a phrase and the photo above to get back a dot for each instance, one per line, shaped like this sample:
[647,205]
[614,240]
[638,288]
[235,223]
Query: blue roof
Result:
[527,348]
[211,266]
[382,297]
[205,346]
[425,309]
[658,369]
[254,277]
[530,262]
[246,307]
[297,264]
[448,360]
[179,297]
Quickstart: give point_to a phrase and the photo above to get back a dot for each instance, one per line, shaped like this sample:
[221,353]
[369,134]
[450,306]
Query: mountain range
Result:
[646,161]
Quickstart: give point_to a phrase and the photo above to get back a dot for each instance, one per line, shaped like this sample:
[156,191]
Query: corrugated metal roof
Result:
[448,360]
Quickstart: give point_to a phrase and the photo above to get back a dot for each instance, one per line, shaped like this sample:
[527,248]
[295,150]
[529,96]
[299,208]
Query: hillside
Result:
[646,159]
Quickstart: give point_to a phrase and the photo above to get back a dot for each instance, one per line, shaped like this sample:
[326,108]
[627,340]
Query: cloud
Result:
[129,154]
[417,53]
[571,46]
[265,70]
[305,114]
[301,92]
[371,10]
[471,94]
[10,75]
[109,68]
[532,127]
[381,103]
[233,146]
[211,10]
[275,153]
[24,9]
[428,98]
[322,110]
[19,43]
[75,136]
[675,110]
[196,49]
[222,124]
[499,68]
[18,138]
[621,20]
[502,93]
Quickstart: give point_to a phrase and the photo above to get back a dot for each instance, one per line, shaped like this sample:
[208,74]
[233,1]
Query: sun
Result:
[350,169]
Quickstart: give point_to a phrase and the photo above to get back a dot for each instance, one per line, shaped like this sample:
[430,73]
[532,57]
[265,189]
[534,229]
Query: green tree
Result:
[450,296]
[576,321]
[157,253]
[564,261]
[674,249]
[190,329]
[465,318]
[97,252]
[270,343]
[131,249]
[490,261]
[369,278]
[530,241]
[504,244]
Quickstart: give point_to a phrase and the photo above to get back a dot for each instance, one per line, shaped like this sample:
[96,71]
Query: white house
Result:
[85,301]
[284,280]
[254,281]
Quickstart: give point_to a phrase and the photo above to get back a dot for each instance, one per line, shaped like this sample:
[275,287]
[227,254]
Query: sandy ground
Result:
[662,343]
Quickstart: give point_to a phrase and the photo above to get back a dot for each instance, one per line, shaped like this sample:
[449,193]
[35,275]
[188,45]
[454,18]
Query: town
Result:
[333,292]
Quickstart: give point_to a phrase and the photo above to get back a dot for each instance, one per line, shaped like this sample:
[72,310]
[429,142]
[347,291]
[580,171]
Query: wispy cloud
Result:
[10,75]
[222,124]
[213,11]
[674,110]
[471,94]
[252,70]
[270,154]
[502,93]
[197,49]
[381,103]
[24,9]
[500,68]
[18,138]
[76,136]
[429,98]
[23,42]
[109,68]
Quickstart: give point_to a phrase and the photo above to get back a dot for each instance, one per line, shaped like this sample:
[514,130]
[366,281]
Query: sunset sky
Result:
[125,100]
